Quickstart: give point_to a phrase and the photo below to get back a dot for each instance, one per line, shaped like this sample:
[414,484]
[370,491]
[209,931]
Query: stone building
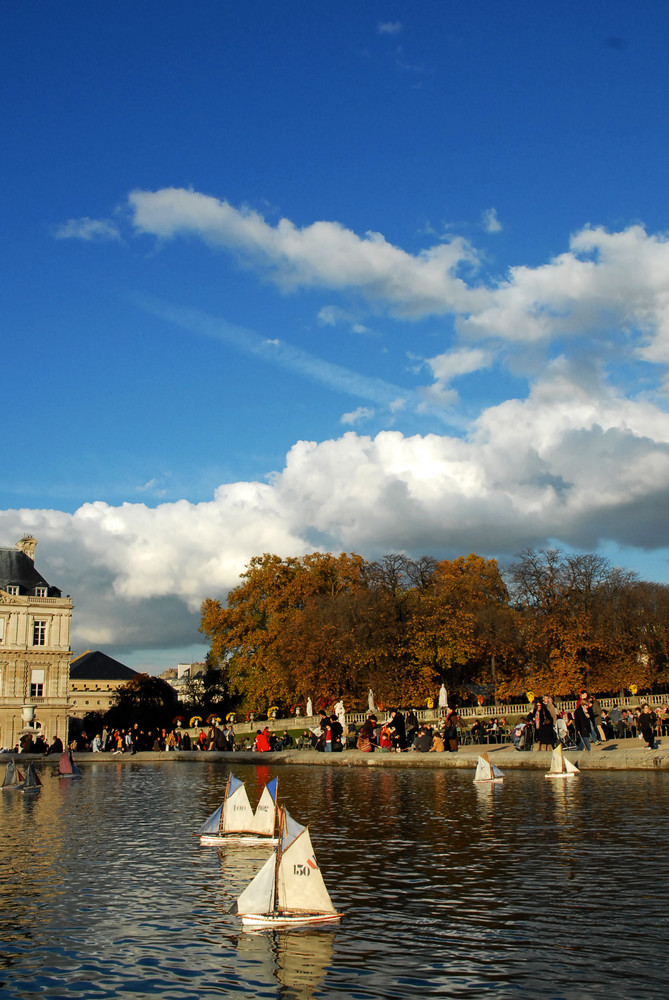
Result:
[35,623]
[95,678]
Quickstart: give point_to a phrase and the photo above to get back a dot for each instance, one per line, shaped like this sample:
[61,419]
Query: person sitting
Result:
[491,730]
[478,731]
[385,740]
[626,726]
[423,739]
[437,743]
[351,736]
[366,738]
[517,734]
[286,740]
[261,742]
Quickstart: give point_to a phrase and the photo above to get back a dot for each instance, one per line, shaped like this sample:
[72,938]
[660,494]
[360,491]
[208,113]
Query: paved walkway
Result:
[616,755]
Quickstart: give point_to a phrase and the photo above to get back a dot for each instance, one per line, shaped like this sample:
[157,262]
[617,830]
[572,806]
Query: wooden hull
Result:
[287,919]
[560,774]
[212,840]
[488,781]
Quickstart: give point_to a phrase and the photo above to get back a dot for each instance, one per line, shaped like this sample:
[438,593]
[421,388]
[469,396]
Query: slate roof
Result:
[96,666]
[18,570]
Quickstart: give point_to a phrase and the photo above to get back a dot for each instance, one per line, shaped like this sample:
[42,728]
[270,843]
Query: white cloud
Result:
[324,254]
[89,230]
[605,282]
[357,416]
[389,27]
[459,361]
[491,223]
[571,462]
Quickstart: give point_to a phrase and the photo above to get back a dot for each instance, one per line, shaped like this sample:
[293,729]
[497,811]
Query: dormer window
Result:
[41,592]
[12,589]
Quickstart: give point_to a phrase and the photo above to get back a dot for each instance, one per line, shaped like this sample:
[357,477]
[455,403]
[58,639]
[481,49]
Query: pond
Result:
[543,888]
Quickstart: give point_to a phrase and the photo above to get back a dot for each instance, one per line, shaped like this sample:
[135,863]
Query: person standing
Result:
[647,726]
[397,730]
[597,718]
[583,724]
[544,733]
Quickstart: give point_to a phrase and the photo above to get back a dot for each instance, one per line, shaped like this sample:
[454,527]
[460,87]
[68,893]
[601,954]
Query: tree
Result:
[146,700]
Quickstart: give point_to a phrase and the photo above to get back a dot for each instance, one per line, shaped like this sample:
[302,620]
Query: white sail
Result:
[289,888]
[264,820]
[486,770]
[237,811]
[13,777]
[258,897]
[300,883]
[560,766]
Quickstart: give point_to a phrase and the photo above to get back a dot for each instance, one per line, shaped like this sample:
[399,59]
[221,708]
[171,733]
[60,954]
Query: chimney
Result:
[27,544]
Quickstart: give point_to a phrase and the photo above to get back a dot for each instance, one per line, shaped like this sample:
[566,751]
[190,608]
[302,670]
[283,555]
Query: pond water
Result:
[544,888]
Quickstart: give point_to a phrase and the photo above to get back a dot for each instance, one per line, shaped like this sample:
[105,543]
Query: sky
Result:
[372,277]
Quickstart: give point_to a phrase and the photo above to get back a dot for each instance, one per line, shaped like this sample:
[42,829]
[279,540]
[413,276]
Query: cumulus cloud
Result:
[565,463]
[582,459]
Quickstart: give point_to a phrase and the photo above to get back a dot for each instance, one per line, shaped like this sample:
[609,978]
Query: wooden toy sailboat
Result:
[560,766]
[486,770]
[234,820]
[13,777]
[32,781]
[66,766]
[289,888]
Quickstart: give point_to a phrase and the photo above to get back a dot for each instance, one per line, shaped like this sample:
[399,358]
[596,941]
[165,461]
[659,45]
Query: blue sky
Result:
[357,276]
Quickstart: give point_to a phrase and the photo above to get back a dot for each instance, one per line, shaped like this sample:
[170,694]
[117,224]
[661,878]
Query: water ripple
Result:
[447,889]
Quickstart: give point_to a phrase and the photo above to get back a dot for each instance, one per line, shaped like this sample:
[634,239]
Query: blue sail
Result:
[212,824]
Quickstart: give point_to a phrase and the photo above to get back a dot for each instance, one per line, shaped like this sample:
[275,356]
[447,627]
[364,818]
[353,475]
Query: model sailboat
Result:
[32,781]
[289,888]
[66,766]
[234,820]
[560,766]
[13,777]
[486,770]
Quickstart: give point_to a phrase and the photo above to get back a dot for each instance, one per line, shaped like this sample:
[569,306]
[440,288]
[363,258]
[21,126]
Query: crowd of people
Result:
[544,727]
[588,725]
[403,732]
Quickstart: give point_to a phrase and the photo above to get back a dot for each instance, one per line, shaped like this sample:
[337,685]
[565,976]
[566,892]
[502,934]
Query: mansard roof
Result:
[94,665]
[17,569]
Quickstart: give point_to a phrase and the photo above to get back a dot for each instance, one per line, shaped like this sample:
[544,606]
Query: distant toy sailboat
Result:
[32,781]
[486,770]
[13,777]
[66,766]
[560,766]
[289,888]
[234,820]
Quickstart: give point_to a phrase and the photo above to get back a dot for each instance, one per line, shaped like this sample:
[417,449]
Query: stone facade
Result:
[35,623]
[95,678]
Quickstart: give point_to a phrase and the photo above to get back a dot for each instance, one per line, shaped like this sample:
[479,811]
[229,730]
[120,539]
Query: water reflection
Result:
[296,959]
[448,888]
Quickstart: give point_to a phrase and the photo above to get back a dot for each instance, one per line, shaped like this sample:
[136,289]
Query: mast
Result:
[277,861]
[225,797]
